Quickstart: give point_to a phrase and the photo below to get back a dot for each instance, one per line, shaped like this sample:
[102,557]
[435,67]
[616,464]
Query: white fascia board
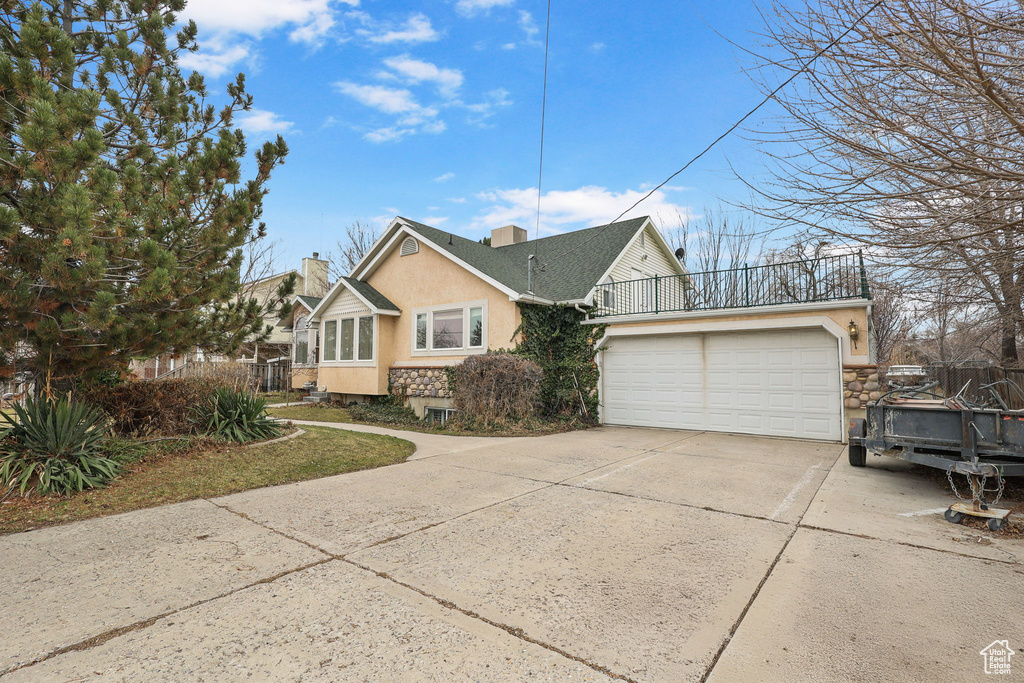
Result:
[371,253]
[629,245]
[331,295]
[365,271]
[723,312]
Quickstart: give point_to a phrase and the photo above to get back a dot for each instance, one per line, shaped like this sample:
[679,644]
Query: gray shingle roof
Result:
[310,301]
[572,262]
[375,298]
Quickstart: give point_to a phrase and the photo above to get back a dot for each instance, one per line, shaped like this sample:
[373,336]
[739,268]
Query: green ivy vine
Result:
[553,338]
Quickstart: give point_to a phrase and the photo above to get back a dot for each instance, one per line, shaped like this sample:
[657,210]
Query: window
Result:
[410,246]
[440,329]
[331,340]
[301,341]
[476,327]
[448,329]
[421,332]
[347,338]
[366,338]
[608,295]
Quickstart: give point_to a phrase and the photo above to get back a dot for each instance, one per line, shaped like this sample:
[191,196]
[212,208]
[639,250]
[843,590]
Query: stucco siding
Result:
[426,279]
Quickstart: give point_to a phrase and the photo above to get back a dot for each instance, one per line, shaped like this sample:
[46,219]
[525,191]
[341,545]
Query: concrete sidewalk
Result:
[609,554]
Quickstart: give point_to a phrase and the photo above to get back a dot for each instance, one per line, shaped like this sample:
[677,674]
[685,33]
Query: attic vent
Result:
[410,246]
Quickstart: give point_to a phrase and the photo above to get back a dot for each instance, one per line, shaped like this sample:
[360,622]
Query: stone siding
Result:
[415,382]
[860,385]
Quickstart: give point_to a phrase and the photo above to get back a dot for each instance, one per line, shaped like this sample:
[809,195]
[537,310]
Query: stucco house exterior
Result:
[681,350]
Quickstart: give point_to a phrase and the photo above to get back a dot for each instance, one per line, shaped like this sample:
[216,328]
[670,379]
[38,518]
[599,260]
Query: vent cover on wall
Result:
[410,246]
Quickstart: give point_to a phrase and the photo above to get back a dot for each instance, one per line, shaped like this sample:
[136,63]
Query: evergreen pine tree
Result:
[122,205]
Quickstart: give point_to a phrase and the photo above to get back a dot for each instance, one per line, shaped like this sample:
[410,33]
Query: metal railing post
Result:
[865,290]
[746,283]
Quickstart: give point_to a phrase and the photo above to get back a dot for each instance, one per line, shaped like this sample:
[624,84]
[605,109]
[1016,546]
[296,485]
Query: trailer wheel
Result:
[996,524]
[858,455]
[953,516]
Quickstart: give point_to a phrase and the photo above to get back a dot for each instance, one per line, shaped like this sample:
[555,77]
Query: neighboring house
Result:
[305,340]
[310,281]
[758,350]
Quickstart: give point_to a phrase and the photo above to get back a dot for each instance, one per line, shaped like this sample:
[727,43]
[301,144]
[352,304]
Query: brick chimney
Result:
[314,276]
[510,234]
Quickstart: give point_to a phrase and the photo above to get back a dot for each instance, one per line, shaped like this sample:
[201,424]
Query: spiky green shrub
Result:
[54,447]
[236,416]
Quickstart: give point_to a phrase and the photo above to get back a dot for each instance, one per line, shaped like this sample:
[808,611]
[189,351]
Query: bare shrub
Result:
[162,406]
[498,388]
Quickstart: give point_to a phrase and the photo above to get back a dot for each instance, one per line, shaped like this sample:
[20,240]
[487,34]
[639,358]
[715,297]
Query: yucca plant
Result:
[236,416]
[55,447]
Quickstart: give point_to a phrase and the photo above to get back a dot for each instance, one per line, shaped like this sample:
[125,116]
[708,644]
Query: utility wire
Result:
[543,112]
[731,128]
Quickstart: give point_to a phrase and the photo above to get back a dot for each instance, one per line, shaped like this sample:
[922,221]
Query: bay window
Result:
[348,339]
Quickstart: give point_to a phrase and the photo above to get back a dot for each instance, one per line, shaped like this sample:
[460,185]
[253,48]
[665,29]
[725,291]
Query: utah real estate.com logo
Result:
[997,657]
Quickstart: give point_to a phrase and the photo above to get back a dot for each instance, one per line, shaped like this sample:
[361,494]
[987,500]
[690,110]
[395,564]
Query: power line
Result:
[731,128]
[543,112]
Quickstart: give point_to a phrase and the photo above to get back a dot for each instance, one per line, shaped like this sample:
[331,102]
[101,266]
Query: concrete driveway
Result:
[612,554]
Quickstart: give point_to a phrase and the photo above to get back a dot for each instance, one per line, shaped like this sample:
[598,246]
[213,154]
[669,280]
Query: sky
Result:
[432,110]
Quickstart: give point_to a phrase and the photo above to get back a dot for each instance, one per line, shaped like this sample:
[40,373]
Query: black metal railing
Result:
[828,278]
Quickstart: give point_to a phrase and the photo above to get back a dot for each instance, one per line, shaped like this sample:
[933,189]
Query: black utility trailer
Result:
[981,444]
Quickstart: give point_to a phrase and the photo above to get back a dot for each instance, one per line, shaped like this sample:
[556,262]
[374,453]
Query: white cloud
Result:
[529,27]
[228,26]
[597,47]
[414,71]
[493,101]
[563,210]
[435,221]
[470,7]
[508,46]
[254,17]
[457,200]
[262,122]
[412,116]
[444,177]
[416,29]
[219,55]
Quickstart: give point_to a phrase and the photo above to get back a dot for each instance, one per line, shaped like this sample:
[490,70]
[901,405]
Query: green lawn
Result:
[272,397]
[158,480]
[311,412]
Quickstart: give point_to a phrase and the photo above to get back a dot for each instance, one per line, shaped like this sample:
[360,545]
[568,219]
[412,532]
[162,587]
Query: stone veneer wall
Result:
[860,385]
[411,382]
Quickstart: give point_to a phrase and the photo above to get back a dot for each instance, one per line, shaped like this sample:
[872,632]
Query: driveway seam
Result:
[757,591]
[100,639]
[511,630]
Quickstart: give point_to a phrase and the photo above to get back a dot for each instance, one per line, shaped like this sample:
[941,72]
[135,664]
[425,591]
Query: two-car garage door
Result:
[779,382]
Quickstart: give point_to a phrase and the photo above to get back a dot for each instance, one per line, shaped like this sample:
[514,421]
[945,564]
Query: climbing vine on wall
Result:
[554,339]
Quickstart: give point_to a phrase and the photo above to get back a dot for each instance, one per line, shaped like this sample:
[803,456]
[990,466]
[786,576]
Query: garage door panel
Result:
[780,382]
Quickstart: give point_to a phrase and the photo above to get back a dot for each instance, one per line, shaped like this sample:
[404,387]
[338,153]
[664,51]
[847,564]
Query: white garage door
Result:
[780,382]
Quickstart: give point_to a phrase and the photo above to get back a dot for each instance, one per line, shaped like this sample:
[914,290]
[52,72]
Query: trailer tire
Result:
[858,455]
[996,524]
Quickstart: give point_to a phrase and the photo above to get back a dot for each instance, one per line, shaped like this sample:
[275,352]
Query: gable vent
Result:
[410,246]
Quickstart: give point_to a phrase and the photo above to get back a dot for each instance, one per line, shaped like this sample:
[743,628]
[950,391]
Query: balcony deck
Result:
[828,278]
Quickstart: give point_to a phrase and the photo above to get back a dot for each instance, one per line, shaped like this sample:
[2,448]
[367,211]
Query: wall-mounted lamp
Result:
[854,332]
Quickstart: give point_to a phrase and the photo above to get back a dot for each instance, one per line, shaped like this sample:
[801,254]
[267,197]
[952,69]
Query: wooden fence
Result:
[953,379]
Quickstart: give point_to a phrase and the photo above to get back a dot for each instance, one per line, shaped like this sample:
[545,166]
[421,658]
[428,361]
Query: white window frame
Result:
[312,348]
[463,350]
[354,317]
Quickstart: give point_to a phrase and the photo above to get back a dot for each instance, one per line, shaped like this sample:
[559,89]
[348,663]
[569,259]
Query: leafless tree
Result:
[714,241]
[905,137]
[359,237]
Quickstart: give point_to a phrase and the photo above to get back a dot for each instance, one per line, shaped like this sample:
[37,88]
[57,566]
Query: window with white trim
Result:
[349,339]
[331,340]
[456,327]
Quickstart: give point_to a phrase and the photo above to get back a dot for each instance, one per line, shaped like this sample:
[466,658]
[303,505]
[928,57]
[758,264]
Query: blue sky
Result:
[431,110]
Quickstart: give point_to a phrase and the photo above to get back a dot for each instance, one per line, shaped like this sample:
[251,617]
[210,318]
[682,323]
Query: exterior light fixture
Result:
[854,332]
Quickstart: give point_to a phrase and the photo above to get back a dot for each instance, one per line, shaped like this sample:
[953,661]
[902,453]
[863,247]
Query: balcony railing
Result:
[828,278]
